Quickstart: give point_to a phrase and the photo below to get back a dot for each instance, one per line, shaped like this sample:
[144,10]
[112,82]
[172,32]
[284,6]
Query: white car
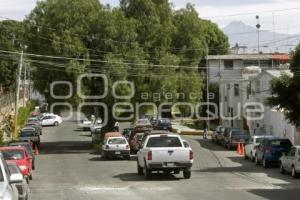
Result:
[86,124]
[290,162]
[250,148]
[115,147]
[23,187]
[164,152]
[51,120]
[8,190]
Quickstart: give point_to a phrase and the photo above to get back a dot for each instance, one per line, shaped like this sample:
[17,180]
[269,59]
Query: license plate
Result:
[170,164]
[117,152]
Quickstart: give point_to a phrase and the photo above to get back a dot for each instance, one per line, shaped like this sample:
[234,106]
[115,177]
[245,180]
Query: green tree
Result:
[286,91]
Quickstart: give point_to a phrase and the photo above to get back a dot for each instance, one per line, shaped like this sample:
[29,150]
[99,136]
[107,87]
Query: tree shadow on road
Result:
[66,147]
[134,177]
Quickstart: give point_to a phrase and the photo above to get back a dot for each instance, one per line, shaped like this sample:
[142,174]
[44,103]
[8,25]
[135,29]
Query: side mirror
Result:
[15,178]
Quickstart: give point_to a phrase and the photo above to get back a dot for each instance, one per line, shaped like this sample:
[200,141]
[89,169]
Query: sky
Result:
[283,19]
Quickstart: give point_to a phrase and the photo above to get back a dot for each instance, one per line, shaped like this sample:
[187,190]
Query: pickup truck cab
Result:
[164,152]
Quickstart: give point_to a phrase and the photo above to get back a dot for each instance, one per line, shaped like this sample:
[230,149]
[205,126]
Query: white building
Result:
[246,79]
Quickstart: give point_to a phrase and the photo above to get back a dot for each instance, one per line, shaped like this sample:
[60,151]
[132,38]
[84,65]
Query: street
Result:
[68,168]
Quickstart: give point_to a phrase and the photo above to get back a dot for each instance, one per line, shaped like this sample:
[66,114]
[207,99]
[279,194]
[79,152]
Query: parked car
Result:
[163,124]
[250,148]
[34,120]
[115,147]
[97,136]
[30,134]
[271,149]
[37,126]
[19,156]
[8,190]
[28,149]
[136,141]
[23,188]
[164,152]
[51,120]
[290,162]
[142,125]
[86,124]
[215,136]
[96,124]
[233,137]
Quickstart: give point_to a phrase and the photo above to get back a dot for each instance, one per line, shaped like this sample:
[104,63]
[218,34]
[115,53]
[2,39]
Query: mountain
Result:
[244,35]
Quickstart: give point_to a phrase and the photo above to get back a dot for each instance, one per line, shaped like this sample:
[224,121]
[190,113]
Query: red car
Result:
[20,156]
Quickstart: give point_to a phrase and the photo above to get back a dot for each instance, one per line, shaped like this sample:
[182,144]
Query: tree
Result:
[286,91]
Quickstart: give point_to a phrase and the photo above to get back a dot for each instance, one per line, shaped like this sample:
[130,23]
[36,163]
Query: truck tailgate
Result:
[176,154]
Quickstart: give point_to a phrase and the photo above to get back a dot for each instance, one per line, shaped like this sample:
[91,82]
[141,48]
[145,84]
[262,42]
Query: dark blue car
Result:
[163,124]
[271,149]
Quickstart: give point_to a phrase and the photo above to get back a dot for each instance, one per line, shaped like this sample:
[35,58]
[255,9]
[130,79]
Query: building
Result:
[246,79]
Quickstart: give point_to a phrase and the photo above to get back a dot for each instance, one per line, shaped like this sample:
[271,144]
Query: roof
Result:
[12,148]
[278,73]
[283,57]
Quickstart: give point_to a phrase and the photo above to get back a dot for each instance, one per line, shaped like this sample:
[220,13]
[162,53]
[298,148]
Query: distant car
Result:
[30,134]
[234,137]
[34,120]
[164,152]
[8,190]
[142,125]
[96,124]
[22,187]
[51,120]
[19,156]
[28,149]
[86,124]
[115,147]
[290,162]
[163,124]
[250,148]
[215,136]
[271,149]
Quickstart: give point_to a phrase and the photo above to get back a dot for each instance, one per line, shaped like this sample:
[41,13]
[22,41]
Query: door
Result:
[290,159]
[46,120]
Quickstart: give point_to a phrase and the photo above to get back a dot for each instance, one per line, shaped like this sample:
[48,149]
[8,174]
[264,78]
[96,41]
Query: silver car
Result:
[290,162]
[23,187]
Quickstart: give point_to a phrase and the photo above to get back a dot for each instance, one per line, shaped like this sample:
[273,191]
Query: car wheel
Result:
[256,160]
[246,157]
[103,155]
[294,173]
[187,173]
[282,170]
[139,169]
[30,177]
[33,166]
[55,123]
[251,157]
[147,172]
[265,163]
[228,146]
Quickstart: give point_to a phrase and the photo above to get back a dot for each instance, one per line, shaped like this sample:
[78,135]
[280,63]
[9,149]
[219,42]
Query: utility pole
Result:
[17,95]
[258,46]
[207,89]
[24,84]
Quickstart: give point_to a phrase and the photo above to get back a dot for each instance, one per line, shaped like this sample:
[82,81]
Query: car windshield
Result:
[280,143]
[12,154]
[117,141]
[27,134]
[164,141]
[13,169]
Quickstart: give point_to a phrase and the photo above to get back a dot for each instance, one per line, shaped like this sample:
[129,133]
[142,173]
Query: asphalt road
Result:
[68,169]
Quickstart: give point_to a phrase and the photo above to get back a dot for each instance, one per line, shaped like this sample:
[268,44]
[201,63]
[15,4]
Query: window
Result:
[236,90]
[164,141]
[228,64]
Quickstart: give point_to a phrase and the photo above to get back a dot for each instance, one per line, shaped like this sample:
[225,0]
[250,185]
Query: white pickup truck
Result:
[164,152]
